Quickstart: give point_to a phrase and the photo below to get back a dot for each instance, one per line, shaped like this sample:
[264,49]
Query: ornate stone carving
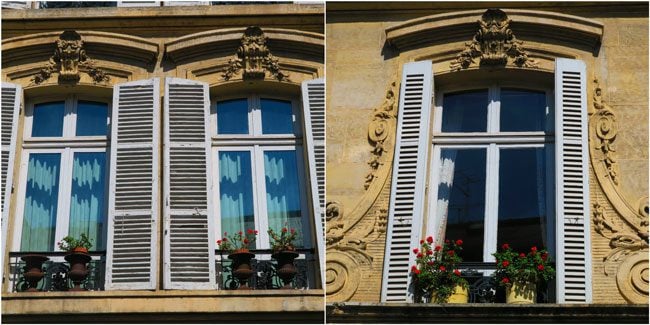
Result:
[378,131]
[629,251]
[254,57]
[606,129]
[493,44]
[69,56]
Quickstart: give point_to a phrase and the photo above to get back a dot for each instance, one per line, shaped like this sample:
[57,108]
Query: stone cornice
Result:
[529,25]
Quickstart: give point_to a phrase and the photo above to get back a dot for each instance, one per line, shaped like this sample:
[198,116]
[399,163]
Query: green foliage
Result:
[283,241]
[436,270]
[238,241]
[68,243]
[533,267]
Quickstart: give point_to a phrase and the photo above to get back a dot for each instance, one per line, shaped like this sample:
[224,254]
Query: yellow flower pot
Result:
[458,296]
[521,293]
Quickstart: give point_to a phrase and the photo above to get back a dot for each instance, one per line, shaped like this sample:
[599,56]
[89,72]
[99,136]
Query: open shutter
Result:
[572,194]
[133,197]
[313,99]
[189,225]
[11,98]
[408,182]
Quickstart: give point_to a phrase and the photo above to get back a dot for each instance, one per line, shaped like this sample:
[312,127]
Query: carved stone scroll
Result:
[69,56]
[493,44]
[254,57]
[378,130]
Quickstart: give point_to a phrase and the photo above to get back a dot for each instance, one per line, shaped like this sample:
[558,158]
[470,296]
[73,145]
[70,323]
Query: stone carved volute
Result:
[378,130]
[493,44]
[69,56]
[254,57]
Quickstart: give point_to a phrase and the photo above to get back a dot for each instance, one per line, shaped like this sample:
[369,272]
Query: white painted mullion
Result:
[255,115]
[434,221]
[494,109]
[307,230]
[259,190]
[437,114]
[65,191]
[297,117]
[69,117]
[216,192]
[20,201]
[29,120]
[491,203]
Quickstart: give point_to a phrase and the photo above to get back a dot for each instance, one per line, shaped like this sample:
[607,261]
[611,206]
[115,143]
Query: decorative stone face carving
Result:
[254,57]
[493,44]
[68,57]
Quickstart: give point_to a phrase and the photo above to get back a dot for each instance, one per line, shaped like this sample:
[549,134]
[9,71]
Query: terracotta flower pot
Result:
[78,269]
[33,271]
[286,269]
[241,267]
[460,295]
[80,250]
[521,293]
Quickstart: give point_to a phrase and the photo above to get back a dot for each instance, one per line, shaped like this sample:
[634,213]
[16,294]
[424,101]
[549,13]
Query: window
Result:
[63,187]
[259,167]
[492,169]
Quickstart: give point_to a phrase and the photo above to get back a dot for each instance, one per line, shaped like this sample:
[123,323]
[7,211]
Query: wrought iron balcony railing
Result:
[265,271]
[56,272]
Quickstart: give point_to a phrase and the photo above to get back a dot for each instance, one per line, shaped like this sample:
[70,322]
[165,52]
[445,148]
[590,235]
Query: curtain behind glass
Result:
[236,191]
[87,203]
[41,199]
[283,191]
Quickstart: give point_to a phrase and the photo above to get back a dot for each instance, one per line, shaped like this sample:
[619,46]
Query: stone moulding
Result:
[459,26]
[69,56]
[254,58]
[493,44]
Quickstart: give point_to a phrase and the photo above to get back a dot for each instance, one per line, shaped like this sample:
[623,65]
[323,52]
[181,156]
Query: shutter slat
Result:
[133,198]
[408,181]
[313,99]
[189,242]
[572,195]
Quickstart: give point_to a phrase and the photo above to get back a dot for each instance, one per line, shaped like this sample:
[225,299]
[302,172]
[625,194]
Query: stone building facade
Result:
[375,50]
[150,102]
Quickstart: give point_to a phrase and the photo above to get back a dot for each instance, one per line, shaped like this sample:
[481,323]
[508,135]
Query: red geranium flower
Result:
[459,242]
[429,239]
[417,271]
[292,230]
[505,263]
[249,231]
[457,272]
[430,262]
[245,241]
[284,229]
[505,246]
[447,241]
[219,242]
[429,252]
[225,239]
[438,248]
[421,241]
[544,256]
[413,268]
[540,267]
[533,249]
[240,233]
[522,255]
[256,232]
[442,268]
[505,280]
[420,255]
[416,250]
[451,253]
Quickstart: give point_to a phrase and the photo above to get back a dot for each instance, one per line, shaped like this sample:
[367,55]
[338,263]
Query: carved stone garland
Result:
[68,57]
[629,244]
[493,44]
[347,237]
[254,57]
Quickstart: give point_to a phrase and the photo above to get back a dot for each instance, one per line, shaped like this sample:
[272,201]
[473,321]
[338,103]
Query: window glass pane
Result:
[465,111]
[232,116]
[461,198]
[41,199]
[522,198]
[277,116]
[522,110]
[283,191]
[48,119]
[91,118]
[88,194]
[236,191]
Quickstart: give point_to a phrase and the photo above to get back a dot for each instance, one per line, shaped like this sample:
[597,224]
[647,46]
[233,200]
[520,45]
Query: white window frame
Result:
[257,143]
[492,141]
[66,145]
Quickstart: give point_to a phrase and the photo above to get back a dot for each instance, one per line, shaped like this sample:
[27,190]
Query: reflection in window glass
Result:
[41,199]
[522,110]
[91,118]
[232,116]
[465,111]
[236,191]
[522,198]
[461,198]
[88,197]
[48,119]
[277,117]
[282,191]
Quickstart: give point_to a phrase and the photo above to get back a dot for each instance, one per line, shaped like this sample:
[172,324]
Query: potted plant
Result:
[237,246]
[284,253]
[77,257]
[436,271]
[521,272]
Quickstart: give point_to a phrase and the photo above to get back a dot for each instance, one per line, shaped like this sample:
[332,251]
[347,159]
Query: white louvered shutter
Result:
[408,181]
[572,190]
[11,99]
[133,198]
[189,225]
[313,99]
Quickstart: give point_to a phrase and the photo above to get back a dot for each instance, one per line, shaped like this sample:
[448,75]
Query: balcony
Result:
[56,271]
